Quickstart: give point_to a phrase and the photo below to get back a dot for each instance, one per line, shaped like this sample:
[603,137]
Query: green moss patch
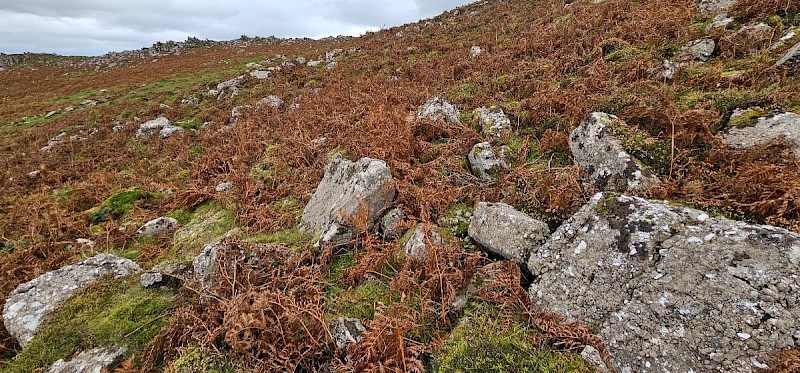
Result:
[207,223]
[109,313]
[118,206]
[487,341]
[295,238]
[654,153]
[196,359]
[361,301]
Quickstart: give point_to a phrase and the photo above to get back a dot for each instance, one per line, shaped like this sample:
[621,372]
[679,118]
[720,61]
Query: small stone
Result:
[504,231]
[390,224]
[475,51]
[417,245]
[484,161]
[223,187]
[96,360]
[272,102]
[439,109]
[150,279]
[592,356]
[493,122]
[346,331]
[260,75]
[765,129]
[158,227]
[700,49]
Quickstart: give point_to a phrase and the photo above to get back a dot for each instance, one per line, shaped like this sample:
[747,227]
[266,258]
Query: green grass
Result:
[360,302]
[109,313]
[207,223]
[118,206]
[487,341]
[297,239]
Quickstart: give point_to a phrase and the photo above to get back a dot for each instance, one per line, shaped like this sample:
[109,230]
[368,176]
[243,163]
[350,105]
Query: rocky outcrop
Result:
[96,360]
[699,50]
[673,289]
[348,191]
[607,164]
[746,133]
[161,124]
[504,231]
[484,161]
[439,109]
[424,235]
[205,264]
[30,303]
[158,226]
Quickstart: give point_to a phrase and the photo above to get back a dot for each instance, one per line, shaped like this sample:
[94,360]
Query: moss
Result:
[487,341]
[360,302]
[463,92]
[6,248]
[296,238]
[264,169]
[748,117]
[197,359]
[118,206]
[109,313]
[207,223]
[652,152]
[455,218]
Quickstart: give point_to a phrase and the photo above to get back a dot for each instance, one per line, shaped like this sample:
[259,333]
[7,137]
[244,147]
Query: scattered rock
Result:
[417,245]
[170,275]
[592,356]
[346,331]
[252,66]
[484,161]
[493,122]
[34,174]
[504,231]
[151,279]
[31,302]
[50,114]
[160,124]
[231,86]
[96,360]
[715,6]
[205,264]
[719,21]
[765,129]
[475,51]
[790,60]
[272,102]
[699,50]
[53,142]
[300,60]
[348,190]
[315,63]
[391,224]
[669,288]
[158,226]
[752,38]
[223,187]
[609,167]
[331,65]
[260,75]
[669,70]
[439,109]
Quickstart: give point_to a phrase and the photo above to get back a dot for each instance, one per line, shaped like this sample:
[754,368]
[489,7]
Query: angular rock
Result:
[790,60]
[766,129]
[260,75]
[609,167]
[424,235]
[346,331]
[223,187]
[96,360]
[158,226]
[715,6]
[502,230]
[253,65]
[699,50]
[30,303]
[160,124]
[439,109]
[672,289]
[390,224]
[484,161]
[205,264]
[272,102]
[592,356]
[719,21]
[349,190]
[151,279]
[493,122]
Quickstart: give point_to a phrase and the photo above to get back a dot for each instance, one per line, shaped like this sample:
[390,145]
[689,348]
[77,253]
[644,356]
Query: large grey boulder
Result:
[502,230]
[96,360]
[494,122]
[417,245]
[607,164]
[348,191]
[765,129]
[673,289]
[484,161]
[30,303]
[439,109]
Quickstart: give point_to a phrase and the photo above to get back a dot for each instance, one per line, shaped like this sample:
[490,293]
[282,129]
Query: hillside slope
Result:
[250,167]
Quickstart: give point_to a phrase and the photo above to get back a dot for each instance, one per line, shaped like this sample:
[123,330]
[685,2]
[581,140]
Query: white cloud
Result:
[93,27]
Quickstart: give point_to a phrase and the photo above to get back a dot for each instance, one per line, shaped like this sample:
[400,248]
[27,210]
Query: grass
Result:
[109,313]
[206,223]
[118,206]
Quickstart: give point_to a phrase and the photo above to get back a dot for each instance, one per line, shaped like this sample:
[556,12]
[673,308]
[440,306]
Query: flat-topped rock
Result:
[30,303]
[504,231]
[96,360]
[760,130]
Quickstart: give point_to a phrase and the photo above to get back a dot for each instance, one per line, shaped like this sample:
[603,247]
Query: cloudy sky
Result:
[94,27]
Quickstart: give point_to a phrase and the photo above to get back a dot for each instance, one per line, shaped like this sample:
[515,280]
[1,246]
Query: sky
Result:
[95,27]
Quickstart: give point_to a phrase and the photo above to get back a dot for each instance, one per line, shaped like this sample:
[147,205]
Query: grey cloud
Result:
[92,27]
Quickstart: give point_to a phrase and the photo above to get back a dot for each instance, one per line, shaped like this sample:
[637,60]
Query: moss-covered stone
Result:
[118,206]
[208,222]
[109,313]
[485,340]
[652,152]
[746,118]
[455,219]
[196,359]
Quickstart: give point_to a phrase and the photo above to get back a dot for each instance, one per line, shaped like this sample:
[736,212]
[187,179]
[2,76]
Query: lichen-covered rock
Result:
[30,303]
[158,226]
[346,331]
[271,102]
[484,161]
[439,109]
[790,60]
[424,235]
[762,130]
[672,289]
[349,190]
[391,224]
[605,161]
[160,124]
[715,6]
[494,122]
[502,230]
[205,264]
[699,50]
[96,360]
[260,74]
[752,38]
[475,51]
